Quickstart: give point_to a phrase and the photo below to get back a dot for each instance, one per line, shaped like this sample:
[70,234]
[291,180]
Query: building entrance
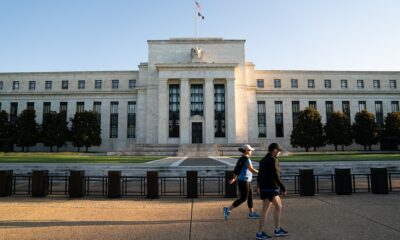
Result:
[197,133]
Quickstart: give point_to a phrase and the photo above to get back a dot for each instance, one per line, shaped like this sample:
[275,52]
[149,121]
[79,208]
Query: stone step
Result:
[142,153]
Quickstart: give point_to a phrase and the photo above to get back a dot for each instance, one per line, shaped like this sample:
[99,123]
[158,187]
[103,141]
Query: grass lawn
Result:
[337,157]
[71,157]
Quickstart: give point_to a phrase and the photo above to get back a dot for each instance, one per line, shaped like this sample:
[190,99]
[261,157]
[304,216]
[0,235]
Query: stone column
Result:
[141,116]
[209,110]
[230,128]
[163,111]
[184,111]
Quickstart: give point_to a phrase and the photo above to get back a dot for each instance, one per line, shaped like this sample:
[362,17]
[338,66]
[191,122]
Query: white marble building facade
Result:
[199,91]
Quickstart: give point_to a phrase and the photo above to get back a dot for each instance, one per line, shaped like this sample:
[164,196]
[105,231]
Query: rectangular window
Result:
[294,83]
[97,110]
[13,113]
[379,113]
[97,84]
[360,84]
[295,112]
[343,84]
[277,83]
[260,83]
[115,84]
[32,85]
[262,128]
[80,107]
[329,109]
[15,85]
[174,105]
[393,84]
[377,84]
[312,104]
[132,84]
[48,85]
[81,84]
[311,83]
[46,110]
[64,109]
[196,99]
[64,84]
[328,83]
[219,106]
[395,106]
[278,119]
[30,105]
[131,119]
[1,85]
[114,120]
[362,105]
[346,109]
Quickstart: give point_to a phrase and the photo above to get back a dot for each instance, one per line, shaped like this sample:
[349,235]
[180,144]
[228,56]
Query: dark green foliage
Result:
[338,130]
[5,127]
[308,131]
[391,129]
[26,129]
[365,130]
[54,130]
[85,130]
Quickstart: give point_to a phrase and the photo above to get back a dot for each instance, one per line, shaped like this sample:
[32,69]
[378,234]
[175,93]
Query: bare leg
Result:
[278,209]
[264,213]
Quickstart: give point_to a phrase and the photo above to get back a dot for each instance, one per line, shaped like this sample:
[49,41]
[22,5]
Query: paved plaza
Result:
[358,216]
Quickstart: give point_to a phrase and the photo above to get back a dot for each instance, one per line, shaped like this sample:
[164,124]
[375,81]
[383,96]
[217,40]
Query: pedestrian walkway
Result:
[355,217]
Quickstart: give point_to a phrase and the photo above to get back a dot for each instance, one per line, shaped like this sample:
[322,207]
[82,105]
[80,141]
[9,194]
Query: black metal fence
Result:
[205,186]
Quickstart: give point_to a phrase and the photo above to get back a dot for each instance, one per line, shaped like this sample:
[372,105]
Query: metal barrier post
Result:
[114,184]
[230,189]
[379,181]
[6,183]
[76,184]
[192,184]
[343,184]
[152,184]
[307,182]
[40,183]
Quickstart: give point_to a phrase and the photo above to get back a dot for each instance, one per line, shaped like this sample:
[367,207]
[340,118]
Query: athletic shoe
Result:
[254,215]
[262,236]
[281,232]
[226,213]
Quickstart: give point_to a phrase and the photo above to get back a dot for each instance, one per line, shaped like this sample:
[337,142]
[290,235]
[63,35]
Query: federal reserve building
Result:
[198,91]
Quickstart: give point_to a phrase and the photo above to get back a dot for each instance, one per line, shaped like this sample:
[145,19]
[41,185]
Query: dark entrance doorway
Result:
[197,133]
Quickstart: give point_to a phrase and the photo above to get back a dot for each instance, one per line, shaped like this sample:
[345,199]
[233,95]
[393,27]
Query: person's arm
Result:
[251,168]
[233,179]
[277,177]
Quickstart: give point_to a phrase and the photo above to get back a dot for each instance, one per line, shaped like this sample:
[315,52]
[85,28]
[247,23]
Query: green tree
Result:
[26,129]
[391,129]
[308,131]
[5,132]
[338,130]
[54,130]
[365,130]
[85,130]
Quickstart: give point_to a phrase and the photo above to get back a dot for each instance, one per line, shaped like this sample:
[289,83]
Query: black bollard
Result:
[307,182]
[6,181]
[230,189]
[192,184]
[114,184]
[343,183]
[76,184]
[152,184]
[40,183]
[379,181]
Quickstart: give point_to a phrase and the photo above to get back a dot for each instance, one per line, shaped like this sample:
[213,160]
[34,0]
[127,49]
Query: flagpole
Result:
[196,18]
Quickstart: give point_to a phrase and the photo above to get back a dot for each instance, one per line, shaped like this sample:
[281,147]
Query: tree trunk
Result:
[369,147]
[365,147]
[335,147]
[342,148]
[51,148]
[315,149]
[87,149]
[78,149]
[306,149]
[22,148]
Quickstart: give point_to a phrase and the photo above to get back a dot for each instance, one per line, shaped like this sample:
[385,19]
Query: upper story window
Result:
[294,83]
[132,84]
[97,84]
[196,100]
[81,84]
[260,83]
[377,84]
[311,83]
[327,83]
[277,83]
[48,85]
[64,84]
[115,84]
[343,84]
[362,105]
[393,84]
[15,85]
[32,85]
[360,83]
[1,85]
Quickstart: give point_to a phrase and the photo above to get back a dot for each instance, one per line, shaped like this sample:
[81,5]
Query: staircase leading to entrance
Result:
[149,150]
[198,150]
[233,149]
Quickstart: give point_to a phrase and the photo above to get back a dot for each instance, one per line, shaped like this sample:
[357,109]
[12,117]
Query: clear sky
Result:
[79,35]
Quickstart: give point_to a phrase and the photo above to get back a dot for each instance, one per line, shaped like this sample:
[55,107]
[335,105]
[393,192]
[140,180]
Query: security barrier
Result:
[40,183]
[343,181]
[307,182]
[76,184]
[6,183]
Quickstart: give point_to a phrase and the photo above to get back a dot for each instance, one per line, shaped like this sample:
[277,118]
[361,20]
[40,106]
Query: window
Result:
[115,84]
[196,99]
[80,107]
[46,110]
[97,110]
[393,84]
[343,83]
[294,83]
[15,85]
[48,85]
[395,106]
[131,119]
[32,85]
[97,84]
[327,83]
[81,84]
[346,109]
[360,84]
[114,120]
[219,106]
[132,84]
[64,84]
[277,83]
[379,113]
[30,105]
[377,84]
[329,109]
[64,109]
[13,113]
[1,85]
[312,104]
[295,112]
[278,119]
[262,129]
[174,105]
[311,83]
[260,83]
[362,106]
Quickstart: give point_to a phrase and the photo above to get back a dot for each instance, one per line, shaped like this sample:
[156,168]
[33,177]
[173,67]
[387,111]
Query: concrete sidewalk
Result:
[358,216]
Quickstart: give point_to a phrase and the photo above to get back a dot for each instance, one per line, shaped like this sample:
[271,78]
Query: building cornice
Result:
[195,40]
[2,74]
[131,92]
[186,66]
[333,72]
[319,92]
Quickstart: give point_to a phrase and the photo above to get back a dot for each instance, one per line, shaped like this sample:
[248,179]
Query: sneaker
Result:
[254,215]
[280,232]
[226,213]
[262,236]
